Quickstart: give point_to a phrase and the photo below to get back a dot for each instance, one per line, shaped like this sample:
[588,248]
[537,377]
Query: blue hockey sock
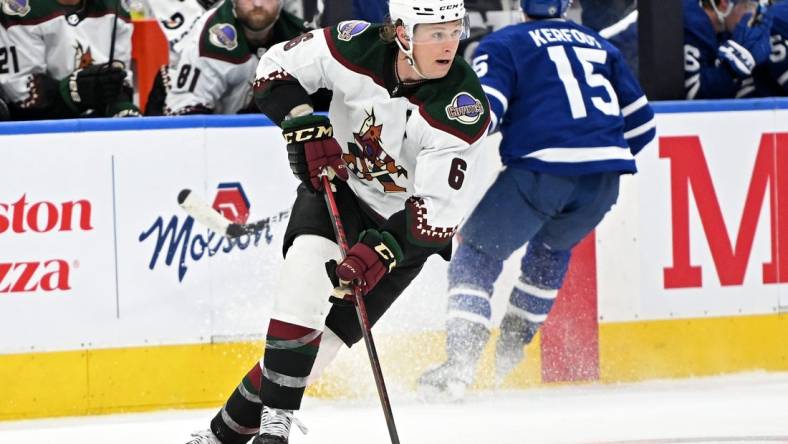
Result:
[472,275]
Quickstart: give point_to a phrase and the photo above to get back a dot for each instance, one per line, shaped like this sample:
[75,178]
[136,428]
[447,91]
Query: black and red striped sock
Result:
[290,352]
[239,420]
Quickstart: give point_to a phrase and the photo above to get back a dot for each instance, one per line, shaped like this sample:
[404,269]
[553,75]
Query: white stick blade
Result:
[202,212]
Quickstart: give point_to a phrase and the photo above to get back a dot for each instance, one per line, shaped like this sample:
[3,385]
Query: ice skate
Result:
[275,426]
[445,382]
[204,437]
[516,333]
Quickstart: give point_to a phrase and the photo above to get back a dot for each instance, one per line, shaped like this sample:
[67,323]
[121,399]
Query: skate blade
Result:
[431,394]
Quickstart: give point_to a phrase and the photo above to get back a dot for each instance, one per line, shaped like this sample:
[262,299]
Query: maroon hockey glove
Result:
[374,255]
[311,147]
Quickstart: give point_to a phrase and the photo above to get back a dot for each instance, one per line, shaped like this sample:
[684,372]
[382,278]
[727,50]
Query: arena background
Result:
[112,300]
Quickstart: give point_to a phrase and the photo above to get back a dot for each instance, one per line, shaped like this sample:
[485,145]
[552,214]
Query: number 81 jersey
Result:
[563,98]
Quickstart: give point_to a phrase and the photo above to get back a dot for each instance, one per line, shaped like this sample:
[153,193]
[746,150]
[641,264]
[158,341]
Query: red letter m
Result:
[689,171]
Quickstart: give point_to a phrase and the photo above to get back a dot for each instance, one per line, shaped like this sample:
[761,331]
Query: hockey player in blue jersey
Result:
[771,78]
[572,117]
[724,40]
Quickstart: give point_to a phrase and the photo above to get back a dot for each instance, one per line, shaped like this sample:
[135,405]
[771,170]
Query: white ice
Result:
[747,408]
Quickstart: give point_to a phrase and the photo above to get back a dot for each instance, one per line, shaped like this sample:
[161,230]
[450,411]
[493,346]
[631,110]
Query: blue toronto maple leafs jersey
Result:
[771,77]
[563,98]
[704,76]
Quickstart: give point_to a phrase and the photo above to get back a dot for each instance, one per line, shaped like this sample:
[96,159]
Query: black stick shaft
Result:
[363,318]
[114,34]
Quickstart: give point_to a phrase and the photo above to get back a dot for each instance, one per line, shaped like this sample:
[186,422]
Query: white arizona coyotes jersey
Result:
[411,150]
[45,37]
[176,18]
[217,63]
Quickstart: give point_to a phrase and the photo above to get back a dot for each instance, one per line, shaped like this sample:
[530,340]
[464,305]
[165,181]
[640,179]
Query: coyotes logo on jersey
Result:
[367,159]
[82,57]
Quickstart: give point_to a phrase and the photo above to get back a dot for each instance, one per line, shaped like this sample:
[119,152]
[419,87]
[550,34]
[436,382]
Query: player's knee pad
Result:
[304,287]
[330,345]
[544,267]
[471,267]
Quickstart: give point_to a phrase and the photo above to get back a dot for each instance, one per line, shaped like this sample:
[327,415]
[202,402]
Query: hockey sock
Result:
[290,352]
[472,274]
[532,298]
[239,420]
[471,277]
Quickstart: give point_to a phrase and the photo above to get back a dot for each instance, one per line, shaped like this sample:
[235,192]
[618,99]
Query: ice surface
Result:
[747,408]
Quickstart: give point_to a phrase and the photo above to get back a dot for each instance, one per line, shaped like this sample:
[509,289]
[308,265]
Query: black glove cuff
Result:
[304,129]
[384,245]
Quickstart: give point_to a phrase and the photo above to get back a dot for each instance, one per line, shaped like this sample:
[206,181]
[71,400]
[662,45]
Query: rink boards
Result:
[111,299]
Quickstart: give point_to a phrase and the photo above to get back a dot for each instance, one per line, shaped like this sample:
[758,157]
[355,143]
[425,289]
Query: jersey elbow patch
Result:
[419,230]
[277,94]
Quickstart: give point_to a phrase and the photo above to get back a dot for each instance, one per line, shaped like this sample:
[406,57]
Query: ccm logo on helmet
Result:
[306,134]
[449,7]
[43,217]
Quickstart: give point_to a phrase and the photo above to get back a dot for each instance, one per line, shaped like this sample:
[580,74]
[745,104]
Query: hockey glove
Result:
[375,254]
[123,108]
[93,87]
[311,147]
[749,46]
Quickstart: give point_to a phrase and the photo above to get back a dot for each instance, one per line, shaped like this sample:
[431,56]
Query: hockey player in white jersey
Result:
[218,58]
[59,58]
[404,130]
[176,18]
[572,117]
[6,63]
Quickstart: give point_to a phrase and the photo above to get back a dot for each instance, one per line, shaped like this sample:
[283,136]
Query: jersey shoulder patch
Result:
[221,37]
[30,12]
[34,12]
[456,103]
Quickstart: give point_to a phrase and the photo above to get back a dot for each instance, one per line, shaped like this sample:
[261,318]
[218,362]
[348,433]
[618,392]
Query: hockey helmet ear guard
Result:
[545,8]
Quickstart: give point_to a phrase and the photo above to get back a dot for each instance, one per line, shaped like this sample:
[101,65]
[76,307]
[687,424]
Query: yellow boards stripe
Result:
[203,375]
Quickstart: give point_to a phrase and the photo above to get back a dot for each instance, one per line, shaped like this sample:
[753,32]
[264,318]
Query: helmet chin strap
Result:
[409,57]
[721,16]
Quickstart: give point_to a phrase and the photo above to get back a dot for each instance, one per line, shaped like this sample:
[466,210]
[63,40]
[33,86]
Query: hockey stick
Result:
[113,37]
[206,215]
[361,312]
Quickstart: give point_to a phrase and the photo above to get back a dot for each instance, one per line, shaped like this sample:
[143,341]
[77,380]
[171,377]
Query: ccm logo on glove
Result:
[312,149]
[306,134]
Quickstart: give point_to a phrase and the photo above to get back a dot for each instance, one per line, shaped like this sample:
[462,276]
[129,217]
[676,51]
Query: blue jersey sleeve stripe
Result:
[642,129]
[634,106]
[636,144]
[638,118]
[494,93]
[692,85]
[575,155]
[745,91]
[493,122]
[783,79]
[620,26]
